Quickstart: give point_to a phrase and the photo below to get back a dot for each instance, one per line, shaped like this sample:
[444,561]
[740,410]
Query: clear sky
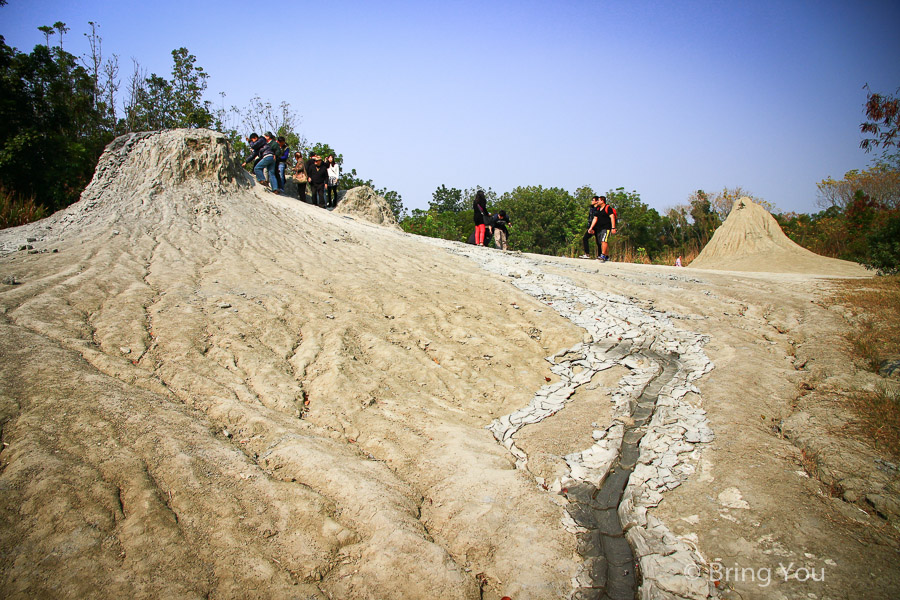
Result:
[661,97]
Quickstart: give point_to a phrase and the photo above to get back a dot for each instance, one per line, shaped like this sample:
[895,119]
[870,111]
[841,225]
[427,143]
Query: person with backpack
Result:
[606,225]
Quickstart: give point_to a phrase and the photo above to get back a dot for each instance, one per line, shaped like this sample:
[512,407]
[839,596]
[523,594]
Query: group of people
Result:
[271,155]
[601,223]
[486,223]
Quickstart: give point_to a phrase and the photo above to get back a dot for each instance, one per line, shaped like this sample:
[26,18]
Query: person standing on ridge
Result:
[593,217]
[300,176]
[318,175]
[480,216]
[334,174]
[606,222]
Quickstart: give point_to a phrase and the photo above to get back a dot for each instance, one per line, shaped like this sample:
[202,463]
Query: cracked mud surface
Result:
[212,392]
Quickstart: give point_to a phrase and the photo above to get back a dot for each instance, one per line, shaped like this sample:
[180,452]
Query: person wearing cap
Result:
[318,176]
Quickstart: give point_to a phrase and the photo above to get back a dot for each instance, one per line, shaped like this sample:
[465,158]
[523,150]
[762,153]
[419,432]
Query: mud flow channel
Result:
[610,570]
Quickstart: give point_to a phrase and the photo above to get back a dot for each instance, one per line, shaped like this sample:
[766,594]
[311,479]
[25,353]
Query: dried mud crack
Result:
[640,454]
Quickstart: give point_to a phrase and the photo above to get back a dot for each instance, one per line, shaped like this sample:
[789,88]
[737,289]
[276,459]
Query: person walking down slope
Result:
[256,144]
[334,174]
[480,216]
[591,232]
[501,233]
[267,161]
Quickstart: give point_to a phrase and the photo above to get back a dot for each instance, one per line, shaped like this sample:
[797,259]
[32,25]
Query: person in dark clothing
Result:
[300,176]
[591,232]
[480,216]
[267,161]
[318,176]
[256,144]
[606,224]
[501,233]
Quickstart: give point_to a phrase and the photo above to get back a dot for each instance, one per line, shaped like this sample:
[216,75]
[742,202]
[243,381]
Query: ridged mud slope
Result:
[209,391]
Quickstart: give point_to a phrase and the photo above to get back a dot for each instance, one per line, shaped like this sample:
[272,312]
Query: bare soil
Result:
[210,391]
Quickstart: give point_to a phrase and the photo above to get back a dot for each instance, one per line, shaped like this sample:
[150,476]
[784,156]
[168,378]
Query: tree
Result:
[642,232]
[704,219]
[546,220]
[157,103]
[60,28]
[881,183]
[884,246]
[446,200]
[883,113]
[49,134]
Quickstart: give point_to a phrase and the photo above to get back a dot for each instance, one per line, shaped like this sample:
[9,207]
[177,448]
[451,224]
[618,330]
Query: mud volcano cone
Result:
[751,240]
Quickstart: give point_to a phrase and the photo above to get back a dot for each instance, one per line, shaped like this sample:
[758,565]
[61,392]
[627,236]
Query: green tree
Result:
[158,103]
[446,200]
[50,137]
[641,226]
[544,220]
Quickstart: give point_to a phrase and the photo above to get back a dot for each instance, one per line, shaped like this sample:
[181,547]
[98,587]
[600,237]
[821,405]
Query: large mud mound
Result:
[208,391]
[363,203]
[750,239]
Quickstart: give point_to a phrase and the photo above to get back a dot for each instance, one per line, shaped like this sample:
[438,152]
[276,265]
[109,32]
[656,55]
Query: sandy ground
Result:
[209,391]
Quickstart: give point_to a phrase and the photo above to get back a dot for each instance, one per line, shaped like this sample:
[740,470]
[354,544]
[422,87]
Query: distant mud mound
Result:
[362,202]
[751,240]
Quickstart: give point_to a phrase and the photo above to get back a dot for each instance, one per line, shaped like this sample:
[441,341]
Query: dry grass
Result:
[875,304]
[880,413]
[874,338]
[16,210]
[809,460]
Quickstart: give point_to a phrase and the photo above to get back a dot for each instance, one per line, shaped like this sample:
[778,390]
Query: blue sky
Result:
[659,97]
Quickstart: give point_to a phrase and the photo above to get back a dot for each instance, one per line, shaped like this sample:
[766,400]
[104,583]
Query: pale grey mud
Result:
[650,446]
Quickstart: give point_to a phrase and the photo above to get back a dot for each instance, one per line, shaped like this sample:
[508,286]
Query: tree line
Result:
[859,220]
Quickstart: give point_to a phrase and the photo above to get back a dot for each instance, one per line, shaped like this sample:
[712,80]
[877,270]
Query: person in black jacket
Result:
[318,176]
[593,217]
[256,144]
